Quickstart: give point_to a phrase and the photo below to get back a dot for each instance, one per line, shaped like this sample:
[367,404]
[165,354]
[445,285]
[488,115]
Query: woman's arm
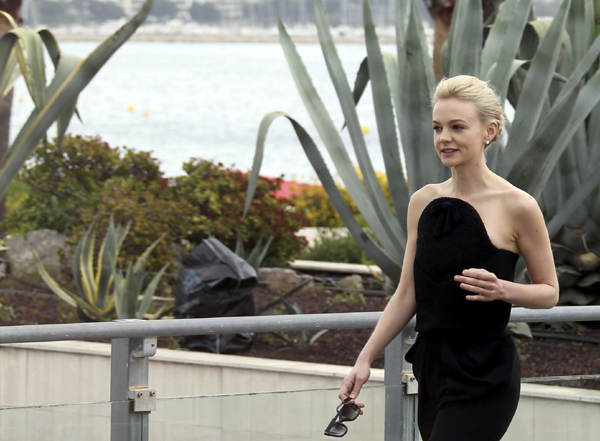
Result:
[534,244]
[398,312]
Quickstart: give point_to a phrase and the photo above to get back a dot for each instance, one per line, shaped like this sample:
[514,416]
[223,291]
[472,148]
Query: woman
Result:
[464,238]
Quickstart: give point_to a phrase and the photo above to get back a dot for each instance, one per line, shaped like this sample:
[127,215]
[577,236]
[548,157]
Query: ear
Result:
[491,131]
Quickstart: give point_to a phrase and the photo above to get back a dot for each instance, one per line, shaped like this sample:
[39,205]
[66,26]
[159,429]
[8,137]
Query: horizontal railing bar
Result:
[231,325]
[560,378]
[169,328]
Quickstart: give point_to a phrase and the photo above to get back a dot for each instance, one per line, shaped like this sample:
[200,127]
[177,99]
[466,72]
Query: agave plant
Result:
[256,257]
[546,70]
[103,289]
[22,53]
[130,302]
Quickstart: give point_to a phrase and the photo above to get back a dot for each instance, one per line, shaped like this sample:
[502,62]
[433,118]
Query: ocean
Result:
[206,100]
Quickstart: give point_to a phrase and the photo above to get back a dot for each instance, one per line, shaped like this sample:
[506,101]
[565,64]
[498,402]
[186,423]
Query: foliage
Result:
[218,196]
[312,200]
[17,194]
[95,297]
[257,256]
[333,246]
[22,52]
[545,69]
[64,187]
[62,179]
[129,201]
[129,301]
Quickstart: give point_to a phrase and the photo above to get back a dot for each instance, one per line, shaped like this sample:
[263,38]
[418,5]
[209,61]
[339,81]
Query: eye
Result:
[457,127]
[436,128]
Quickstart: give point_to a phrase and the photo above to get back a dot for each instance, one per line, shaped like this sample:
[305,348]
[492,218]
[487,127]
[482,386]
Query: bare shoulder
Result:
[418,202]
[523,210]
[520,204]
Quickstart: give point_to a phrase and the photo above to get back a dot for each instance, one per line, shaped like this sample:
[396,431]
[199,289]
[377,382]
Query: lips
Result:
[448,152]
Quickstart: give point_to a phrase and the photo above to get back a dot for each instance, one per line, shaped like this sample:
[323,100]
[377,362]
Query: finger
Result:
[474,288]
[344,390]
[479,273]
[475,282]
[355,390]
[479,298]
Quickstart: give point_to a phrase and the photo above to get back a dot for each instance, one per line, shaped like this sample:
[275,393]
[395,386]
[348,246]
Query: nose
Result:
[444,135]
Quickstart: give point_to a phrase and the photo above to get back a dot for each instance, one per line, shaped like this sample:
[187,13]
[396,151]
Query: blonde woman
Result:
[464,238]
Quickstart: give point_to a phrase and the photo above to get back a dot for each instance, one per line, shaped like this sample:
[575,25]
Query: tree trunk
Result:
[441,14]
[13,7]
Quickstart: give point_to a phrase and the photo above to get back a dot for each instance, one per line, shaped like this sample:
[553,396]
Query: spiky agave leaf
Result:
[544,67]
[128,287]
[65,295]
[382,101]
[149,293]
[49,108]
[376,253]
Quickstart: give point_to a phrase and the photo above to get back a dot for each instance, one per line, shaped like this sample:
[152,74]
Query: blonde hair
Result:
[473,90]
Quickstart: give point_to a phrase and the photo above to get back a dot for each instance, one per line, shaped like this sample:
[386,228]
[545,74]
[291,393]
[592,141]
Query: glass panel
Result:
[73,422]
[289,416]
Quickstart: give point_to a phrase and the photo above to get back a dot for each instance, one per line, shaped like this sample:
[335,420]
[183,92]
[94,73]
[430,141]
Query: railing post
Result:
[400,393]
[132,399]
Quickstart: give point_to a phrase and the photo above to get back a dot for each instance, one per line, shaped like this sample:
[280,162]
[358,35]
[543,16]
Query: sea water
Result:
[206,100]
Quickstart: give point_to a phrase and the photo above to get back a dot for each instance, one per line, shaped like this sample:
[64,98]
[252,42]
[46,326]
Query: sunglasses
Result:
[345,412]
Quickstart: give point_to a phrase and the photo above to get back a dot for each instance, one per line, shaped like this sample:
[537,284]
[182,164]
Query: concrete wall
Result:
[75,372]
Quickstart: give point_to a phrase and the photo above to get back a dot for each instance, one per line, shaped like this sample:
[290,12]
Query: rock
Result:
[282,278]
[520,330]
[353,282]
[46,243]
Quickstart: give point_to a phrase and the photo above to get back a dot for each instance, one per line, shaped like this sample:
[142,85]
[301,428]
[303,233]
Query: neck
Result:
[471,179]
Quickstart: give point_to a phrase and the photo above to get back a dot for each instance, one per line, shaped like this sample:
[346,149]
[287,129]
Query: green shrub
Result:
[62,181]
[65,188]
[128,201]
[218,195]
[313,201]
[335,247]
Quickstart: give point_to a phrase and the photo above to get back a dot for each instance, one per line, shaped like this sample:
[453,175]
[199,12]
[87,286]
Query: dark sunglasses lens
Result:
[350,412]
[337,430]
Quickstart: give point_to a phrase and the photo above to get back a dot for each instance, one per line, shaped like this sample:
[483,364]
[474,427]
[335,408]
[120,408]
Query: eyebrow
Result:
[451,121]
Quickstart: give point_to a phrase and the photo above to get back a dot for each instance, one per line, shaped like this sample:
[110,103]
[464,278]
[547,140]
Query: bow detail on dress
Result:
[447,215]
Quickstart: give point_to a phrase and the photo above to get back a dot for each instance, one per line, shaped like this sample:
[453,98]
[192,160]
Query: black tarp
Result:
[215,282]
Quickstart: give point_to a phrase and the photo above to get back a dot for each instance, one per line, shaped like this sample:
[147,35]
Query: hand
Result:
[352,384]
[485,285]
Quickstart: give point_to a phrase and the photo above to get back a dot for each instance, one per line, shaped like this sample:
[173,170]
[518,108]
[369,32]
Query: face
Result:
[459,135]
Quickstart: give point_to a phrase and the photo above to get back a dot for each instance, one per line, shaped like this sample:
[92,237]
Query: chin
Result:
[449,162]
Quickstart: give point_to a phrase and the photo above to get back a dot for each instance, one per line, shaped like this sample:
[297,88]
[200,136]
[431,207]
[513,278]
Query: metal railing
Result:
[133,342]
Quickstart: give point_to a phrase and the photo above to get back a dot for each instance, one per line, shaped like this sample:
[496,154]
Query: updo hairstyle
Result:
[473,90]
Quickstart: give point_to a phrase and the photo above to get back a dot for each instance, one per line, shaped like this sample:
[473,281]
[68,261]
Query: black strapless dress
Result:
[464,357]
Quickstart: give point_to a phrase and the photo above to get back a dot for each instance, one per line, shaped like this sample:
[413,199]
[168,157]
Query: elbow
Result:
[553,297]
